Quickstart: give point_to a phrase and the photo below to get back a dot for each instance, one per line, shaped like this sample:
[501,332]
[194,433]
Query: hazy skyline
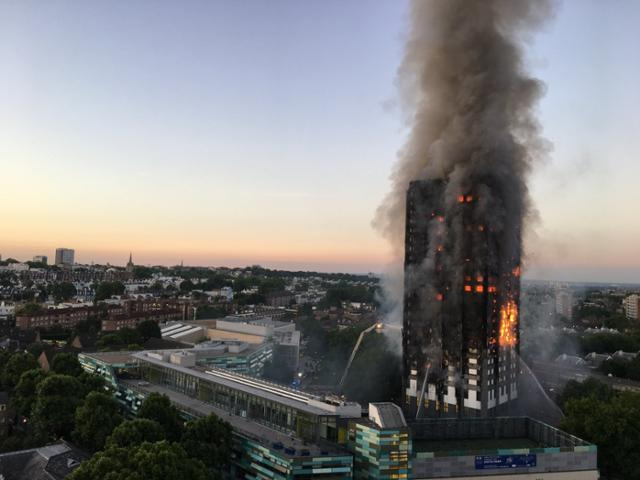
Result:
[233,133]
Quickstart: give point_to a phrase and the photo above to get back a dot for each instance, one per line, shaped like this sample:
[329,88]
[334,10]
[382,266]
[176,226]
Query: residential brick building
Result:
[53,317]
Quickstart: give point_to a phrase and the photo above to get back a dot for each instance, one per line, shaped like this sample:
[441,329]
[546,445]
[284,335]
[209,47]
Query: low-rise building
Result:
[132,320]
[6,310]
[595,360]
[55,461]
[280,433]
[53,317]
[280,299]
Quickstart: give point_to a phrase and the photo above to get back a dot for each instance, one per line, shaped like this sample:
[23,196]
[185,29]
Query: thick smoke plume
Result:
[470,106]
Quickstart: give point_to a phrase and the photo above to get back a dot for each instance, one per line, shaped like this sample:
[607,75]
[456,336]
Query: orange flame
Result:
[508,324]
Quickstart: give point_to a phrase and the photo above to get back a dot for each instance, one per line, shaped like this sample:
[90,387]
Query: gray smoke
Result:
[470,107]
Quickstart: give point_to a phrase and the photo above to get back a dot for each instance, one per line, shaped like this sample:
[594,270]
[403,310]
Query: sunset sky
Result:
[222,132]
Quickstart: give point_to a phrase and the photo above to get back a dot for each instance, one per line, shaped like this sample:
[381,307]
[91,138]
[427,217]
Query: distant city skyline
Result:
[230,134]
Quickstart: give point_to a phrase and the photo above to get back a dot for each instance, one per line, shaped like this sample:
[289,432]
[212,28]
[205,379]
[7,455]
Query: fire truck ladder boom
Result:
[353,354]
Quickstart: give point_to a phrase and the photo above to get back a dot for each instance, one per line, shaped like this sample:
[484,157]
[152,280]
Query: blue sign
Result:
[505,461]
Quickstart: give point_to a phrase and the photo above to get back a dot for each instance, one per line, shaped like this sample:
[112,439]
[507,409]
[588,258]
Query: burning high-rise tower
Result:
[460,326]
[461,186]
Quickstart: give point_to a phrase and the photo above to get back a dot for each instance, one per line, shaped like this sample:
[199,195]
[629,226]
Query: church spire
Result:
[130,263]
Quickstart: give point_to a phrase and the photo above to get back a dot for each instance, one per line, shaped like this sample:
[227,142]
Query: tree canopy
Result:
[15,366]
[609,419]
[106,290]
[58,396]
[24,395]
[65,363]
[61,292]
[133,432]
[148,329]
[95,419]
[158,408]
[148,461]
[208,439]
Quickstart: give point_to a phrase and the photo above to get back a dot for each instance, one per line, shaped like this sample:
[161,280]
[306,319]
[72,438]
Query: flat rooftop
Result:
[112,357]
[473,445]
[247,427]
[491,435]
[271,391]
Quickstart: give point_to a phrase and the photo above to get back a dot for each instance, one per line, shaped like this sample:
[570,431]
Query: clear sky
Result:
[222,132]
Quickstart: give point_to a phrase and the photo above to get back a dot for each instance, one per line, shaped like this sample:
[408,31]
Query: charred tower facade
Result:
[462,287]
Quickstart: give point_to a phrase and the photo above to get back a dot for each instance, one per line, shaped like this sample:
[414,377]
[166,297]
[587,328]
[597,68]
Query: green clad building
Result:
[381,444]
[279,433]
[284,434]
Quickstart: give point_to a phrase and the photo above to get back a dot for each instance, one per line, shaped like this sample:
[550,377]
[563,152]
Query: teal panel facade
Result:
[379,453]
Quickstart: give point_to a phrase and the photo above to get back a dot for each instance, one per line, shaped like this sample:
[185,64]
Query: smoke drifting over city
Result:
[470,105]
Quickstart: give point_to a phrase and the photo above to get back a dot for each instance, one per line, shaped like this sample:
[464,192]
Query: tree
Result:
[57,398]
[35,349]
[24,395]
[208,439]
[29,309]
[140,272]
[66,363]
[149,329]
[149,461]
[91,382]
[269,285]
[250,299]
[62,291]
[186,286]
[345,292]
[133,432]
[217,281]
[129,336]
[95,419]
[375,373]
[109,341]
[15,366]
[591,387]
[608,343]
[209,311]
[613,425]
[107,289]
[121,338]
[158,407]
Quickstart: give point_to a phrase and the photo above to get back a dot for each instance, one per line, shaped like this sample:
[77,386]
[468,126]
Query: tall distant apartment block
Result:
[631,306]
[41,259]
[460,325]
[65,256]
[564,303]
